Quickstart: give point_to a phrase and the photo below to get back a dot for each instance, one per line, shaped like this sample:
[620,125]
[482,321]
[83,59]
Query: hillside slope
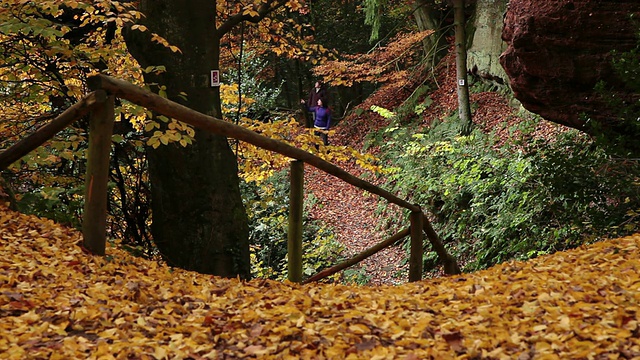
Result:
[350,211]
[58,302]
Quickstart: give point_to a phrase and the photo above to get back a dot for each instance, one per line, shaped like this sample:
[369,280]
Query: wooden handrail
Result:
[105,88]
[449,263]
[359,257]
[174,110]
[48,131]
[145,98]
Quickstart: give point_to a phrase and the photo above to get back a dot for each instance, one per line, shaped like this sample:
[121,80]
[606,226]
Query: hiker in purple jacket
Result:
[322,119]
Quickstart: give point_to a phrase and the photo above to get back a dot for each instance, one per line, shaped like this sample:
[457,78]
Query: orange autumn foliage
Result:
[383,64]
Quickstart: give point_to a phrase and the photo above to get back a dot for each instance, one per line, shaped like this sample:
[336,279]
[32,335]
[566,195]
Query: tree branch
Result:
[262,11]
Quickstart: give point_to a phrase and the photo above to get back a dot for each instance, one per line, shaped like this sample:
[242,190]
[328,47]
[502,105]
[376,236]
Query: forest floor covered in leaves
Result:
[58,302]
[352,212]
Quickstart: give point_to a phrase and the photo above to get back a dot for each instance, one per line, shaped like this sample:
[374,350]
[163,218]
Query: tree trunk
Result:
[464,109]
[483,53]
[429,18]
[199,222]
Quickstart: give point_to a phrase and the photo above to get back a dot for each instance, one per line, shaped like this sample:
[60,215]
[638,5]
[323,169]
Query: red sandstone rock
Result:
[559,49]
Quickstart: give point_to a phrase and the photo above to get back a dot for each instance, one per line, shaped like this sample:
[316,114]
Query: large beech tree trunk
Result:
[429,17]
[199,222]
[486,44]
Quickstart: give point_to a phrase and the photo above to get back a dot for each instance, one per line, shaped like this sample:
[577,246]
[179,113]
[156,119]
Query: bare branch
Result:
[262,11]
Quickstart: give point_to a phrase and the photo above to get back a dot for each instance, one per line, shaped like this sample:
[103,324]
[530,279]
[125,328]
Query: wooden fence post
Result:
[415,258]
[296,198]
[450,265]
[94,222]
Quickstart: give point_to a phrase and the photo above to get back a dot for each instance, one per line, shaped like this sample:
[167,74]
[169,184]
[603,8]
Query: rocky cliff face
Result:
[559,49]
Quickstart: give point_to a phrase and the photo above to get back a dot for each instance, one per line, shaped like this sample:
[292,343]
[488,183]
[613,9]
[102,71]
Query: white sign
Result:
[215,78]
[461,82]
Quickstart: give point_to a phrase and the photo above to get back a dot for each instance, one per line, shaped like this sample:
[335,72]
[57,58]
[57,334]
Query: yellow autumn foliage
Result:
[257,164]
[58,302]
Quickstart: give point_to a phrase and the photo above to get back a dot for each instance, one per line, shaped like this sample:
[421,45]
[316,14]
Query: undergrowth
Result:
[494,203]
[267,208]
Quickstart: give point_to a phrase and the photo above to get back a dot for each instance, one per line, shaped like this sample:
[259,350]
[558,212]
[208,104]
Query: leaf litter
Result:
[58,302]
[352,215]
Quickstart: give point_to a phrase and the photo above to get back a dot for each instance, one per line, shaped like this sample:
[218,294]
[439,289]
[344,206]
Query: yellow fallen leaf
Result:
[539,327]
[160,353]
[58,302]
[359,329]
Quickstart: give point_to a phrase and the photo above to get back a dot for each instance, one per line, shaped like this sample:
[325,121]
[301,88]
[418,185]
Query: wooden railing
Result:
[100,105]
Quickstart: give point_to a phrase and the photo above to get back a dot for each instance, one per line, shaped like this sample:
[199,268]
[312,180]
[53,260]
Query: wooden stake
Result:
[417,249]
[296,200]
[94,222]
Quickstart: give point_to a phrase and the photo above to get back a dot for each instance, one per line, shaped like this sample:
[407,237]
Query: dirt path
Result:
[351,212]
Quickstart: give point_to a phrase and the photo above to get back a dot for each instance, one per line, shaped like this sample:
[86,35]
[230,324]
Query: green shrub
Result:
[267,206]
[63,205]
[491,204]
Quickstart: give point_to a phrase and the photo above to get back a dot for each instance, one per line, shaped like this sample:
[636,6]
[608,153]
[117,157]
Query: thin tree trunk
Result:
[464,109]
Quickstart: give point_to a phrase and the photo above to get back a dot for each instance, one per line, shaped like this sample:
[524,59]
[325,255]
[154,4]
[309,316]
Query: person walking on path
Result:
[322,119]
[318,92]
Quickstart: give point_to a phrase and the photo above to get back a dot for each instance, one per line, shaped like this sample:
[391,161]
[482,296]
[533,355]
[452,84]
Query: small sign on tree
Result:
[215,78]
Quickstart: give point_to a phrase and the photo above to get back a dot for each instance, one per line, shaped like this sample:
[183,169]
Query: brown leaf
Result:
[454,339]
[255,350]
[366,345]
[256,330]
